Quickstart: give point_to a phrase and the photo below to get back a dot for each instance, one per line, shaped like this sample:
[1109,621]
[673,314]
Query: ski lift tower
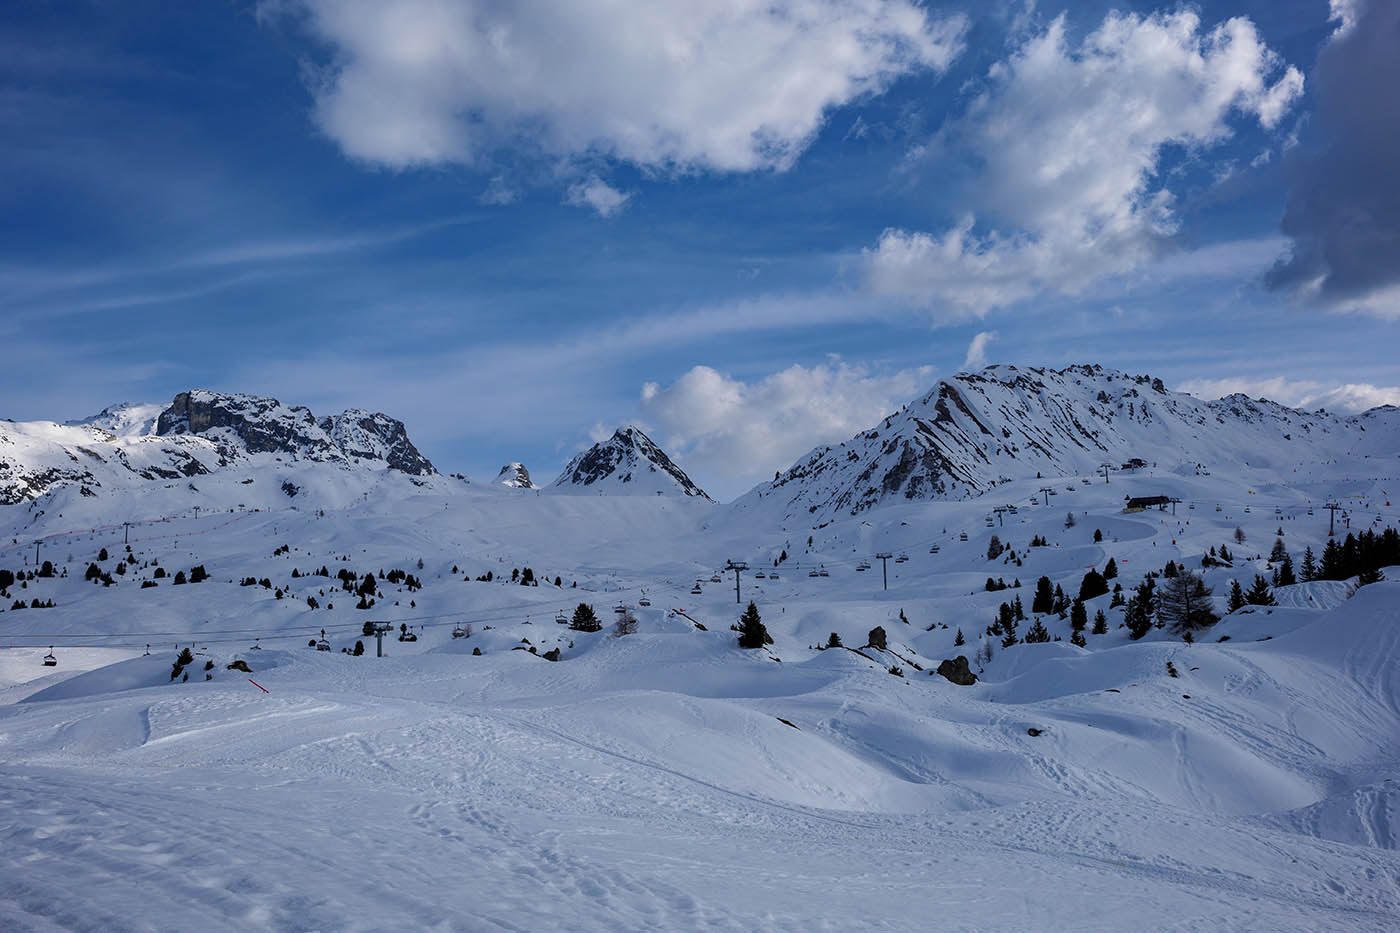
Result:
[884,559]
[379,630]
[1331,507]
[736,566]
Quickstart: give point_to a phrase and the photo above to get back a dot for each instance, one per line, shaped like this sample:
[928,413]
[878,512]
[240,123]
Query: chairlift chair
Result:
[812,573]
[49,659]
[458,631]
[933,549]
[773,576]
[962,536]
[760,576]
[695,590]
[715,579]
[561,619]
[643,602]
[823,572]
[323,645]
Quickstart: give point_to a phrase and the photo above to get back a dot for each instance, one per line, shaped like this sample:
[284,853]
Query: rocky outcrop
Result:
[515,475]
[957,671]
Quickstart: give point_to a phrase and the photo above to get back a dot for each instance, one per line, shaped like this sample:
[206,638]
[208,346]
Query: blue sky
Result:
[751,228]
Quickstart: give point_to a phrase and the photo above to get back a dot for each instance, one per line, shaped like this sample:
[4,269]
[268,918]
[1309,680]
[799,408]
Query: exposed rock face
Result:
[957,670]
[265,425]
[976,431]
[376,436]
[515,475]
[628,463]
[198,433]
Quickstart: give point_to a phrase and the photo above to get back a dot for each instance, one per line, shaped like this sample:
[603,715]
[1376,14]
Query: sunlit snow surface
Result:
[650,782]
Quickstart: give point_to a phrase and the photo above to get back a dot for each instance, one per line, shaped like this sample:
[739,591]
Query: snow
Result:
[668,779]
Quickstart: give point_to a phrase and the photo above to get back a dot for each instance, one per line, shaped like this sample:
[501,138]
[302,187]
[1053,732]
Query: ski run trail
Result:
[668,780]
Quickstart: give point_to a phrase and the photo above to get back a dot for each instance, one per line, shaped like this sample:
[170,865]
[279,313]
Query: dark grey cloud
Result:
[1343,209]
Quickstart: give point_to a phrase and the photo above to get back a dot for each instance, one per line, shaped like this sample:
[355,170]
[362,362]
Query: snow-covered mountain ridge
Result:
[628,463]
[976,431]
[198,433]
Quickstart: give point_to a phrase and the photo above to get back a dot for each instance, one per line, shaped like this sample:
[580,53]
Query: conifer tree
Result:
[752,634]
[958,640]
[1044,599]
[585,619]
[1100,623]
[1185,603]
[1259,594]
[1309,565]
[1283,573]
[1036,633]
[1110,569]
[1137,617]
[1279,552]
[1237,599]
[1078,616]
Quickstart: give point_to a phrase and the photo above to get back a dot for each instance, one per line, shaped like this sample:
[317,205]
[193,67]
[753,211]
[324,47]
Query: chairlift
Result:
[1246,510]
[406,636]
[813,573]
[256,646]
[823,573]
[773,576]
[1035,501]
[1191,506]
[902,558]
[561,619]
[760,576]
[643,602]
[695,590]
[1278,511]
[933,549]
[962,536]
[323,645]
[49,659]
[1309,511]
[1218,509]
[458,631]
[620,608]
[715,579]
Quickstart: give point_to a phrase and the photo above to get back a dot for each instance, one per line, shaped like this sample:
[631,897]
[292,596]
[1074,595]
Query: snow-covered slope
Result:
[515,476]
[200,433]
[627,463]
[976,431]
[124,419]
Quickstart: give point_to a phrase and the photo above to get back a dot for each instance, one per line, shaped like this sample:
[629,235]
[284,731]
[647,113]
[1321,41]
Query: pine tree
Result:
[1283,573]
[1259,594]
[1036,633]
[1170,569]
[833,641]
[1077,639]
[752,634]
[1279,551]
[1239,535]
[1098,536]
[585,619]
[1237,599]
[994,548]
[1185,603]
[1044,599]
[1094,584]
[1078,616]
[958,640]
[1100,623]
[1137,617]
[1309,565]
[1110,569]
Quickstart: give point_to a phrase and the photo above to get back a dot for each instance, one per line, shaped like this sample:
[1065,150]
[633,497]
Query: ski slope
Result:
[667,779]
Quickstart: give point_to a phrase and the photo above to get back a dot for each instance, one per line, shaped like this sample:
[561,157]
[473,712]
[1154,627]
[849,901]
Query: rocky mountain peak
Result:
[629,462]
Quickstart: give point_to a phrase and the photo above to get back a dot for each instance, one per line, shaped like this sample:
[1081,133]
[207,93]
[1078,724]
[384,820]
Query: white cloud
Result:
[598,195]
[1069,142]
[1300,393]
[663,84]
[977,350]
[744,431]
[499,192]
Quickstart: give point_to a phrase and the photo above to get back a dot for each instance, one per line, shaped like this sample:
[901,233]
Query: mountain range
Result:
[961,439]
